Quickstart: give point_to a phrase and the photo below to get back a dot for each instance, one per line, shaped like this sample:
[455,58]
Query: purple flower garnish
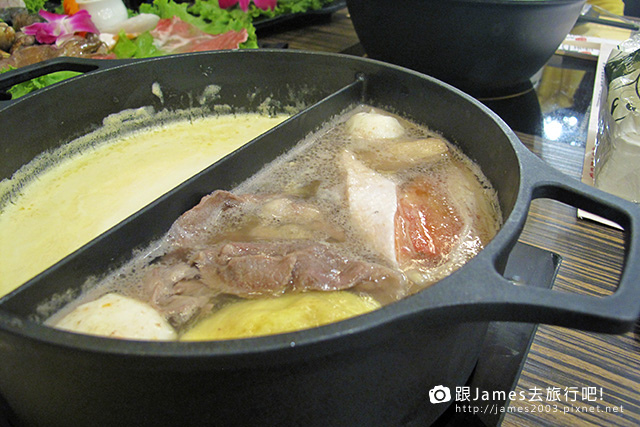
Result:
[244,4]
[60,28]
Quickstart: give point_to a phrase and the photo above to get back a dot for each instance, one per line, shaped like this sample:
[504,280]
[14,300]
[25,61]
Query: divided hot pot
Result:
[374,369]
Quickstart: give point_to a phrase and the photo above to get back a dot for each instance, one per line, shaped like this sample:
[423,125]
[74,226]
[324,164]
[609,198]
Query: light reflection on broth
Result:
[85,194]
[368,210]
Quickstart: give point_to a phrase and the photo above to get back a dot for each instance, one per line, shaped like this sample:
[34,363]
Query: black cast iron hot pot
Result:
[376,369]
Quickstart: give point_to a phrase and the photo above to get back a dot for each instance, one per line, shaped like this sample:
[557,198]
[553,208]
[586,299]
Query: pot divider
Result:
[477,292]
[140,229]
[313,376]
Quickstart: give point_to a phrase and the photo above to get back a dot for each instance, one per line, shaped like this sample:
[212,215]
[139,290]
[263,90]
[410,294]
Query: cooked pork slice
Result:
[282,217]
[194,227]
[246,269]
[269,268]
[226,216]
[320,268]
[372,204]
[176,293]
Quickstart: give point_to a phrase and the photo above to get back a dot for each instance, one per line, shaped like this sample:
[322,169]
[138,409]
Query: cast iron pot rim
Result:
[336,332]
[389,313]
[318,337]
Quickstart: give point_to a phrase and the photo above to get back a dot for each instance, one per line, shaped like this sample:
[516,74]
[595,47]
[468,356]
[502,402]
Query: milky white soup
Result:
[85,194]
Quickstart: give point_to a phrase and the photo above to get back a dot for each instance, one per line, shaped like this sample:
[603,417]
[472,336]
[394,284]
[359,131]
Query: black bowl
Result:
[487,48]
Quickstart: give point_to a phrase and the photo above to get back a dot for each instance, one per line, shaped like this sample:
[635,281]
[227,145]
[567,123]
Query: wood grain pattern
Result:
[568,359]
[568,365]
[335,36]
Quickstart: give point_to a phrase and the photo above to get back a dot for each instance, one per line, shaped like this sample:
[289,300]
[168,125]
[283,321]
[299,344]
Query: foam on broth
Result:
[312,172]
[66,198]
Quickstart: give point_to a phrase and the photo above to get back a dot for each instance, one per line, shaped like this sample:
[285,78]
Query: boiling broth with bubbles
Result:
[368,210]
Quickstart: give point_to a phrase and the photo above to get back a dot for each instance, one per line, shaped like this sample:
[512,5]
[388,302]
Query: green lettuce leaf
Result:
[34,6]
[140,47]
[284,7]
[22,89]
[166,9]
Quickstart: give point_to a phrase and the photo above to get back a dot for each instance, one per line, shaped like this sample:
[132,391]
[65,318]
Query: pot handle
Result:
[496,298]
[23,74]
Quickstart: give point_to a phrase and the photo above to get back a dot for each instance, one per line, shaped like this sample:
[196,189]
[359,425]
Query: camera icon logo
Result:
[439,394]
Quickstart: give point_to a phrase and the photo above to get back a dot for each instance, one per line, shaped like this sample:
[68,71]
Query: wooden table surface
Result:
[568,377]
